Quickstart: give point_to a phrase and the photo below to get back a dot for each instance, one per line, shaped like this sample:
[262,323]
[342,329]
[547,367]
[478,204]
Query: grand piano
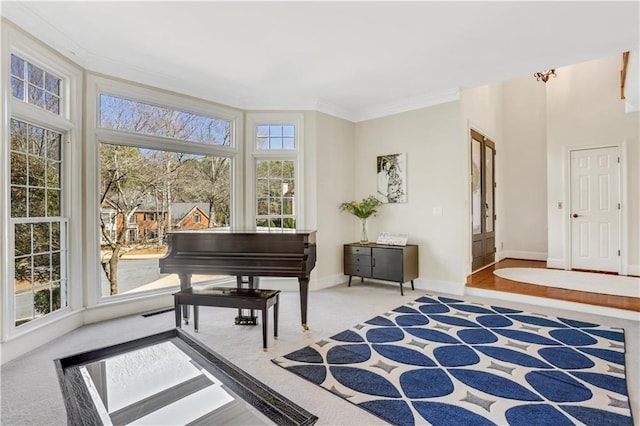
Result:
[243,253]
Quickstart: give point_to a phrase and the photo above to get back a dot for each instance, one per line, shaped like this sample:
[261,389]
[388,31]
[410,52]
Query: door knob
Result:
[575,215]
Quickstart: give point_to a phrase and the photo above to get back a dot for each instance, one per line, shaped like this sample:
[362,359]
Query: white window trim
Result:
[69,123]
[96,135]
[253,154]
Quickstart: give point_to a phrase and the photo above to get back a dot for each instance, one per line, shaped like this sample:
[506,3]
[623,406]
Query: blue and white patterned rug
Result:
[444,361]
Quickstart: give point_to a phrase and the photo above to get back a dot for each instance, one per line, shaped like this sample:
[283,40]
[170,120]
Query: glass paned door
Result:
[482,200]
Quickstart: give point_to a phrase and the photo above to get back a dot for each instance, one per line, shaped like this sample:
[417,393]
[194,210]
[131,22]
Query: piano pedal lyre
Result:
[246,320]
[248,282]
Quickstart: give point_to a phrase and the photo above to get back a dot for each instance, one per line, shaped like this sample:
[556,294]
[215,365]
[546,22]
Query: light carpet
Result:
[444,361]
[615,285]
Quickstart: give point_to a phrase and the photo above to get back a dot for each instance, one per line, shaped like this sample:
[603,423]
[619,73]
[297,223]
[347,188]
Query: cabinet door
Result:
[387,264]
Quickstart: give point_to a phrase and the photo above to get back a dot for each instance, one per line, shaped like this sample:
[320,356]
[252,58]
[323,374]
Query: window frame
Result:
[253,154]
[68,122]
[96,135]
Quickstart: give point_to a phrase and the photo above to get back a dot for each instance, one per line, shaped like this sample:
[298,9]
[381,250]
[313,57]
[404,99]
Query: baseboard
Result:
[525,255]
[121,308]
[556,263]
[560,264]
[633,270]
[440,286]
[329,281]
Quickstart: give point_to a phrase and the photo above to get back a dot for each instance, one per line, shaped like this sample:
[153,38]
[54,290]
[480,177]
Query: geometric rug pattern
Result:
[444,361]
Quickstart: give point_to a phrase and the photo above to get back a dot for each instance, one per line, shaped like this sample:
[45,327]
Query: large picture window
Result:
[178,177]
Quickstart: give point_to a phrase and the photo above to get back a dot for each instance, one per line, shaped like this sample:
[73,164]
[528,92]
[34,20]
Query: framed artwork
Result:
[392,178]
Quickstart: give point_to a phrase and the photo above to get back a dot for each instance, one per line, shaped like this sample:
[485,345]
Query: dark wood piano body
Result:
[243,253]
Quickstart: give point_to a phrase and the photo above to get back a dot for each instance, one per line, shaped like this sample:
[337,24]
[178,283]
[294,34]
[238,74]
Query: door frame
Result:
[497,206]
[623,261]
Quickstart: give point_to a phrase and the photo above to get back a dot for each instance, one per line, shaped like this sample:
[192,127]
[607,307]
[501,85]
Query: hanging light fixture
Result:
[544,76]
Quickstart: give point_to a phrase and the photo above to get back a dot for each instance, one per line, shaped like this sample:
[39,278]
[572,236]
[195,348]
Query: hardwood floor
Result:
[485,279]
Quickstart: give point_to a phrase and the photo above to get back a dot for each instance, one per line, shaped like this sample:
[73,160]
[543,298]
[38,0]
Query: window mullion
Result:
[116,137]
[34,115]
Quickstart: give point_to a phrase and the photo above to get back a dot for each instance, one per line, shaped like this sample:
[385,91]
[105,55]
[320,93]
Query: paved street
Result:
[133,273]
[140,273]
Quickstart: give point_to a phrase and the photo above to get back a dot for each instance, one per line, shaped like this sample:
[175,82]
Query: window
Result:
[159,162]
[34,85]
[39,259]
[276,136]
[275,169]
[40,184]
[275,194]
[118,113]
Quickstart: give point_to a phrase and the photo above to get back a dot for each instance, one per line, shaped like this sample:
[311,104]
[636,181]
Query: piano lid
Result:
[239,230]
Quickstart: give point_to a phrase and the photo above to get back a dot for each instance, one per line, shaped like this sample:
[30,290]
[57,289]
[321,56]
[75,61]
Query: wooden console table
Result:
[382,262]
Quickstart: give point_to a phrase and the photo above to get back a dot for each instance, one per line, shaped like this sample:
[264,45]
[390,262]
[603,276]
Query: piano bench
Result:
[230,297]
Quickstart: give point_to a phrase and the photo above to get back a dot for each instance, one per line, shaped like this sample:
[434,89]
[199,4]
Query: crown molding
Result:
[31,23]
[407,104]
[27,19]
[335,110]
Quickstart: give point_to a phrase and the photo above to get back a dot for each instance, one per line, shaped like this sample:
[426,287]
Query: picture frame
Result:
[392,178]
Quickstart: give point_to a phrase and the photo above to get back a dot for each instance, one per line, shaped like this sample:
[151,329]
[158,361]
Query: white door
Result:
[595,209]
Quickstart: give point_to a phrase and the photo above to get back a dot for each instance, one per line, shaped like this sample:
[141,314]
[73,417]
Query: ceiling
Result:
[355,60]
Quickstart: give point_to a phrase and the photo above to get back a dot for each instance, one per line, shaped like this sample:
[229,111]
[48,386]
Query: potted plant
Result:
[362,210]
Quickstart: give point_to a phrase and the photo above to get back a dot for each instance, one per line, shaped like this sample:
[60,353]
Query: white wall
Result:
[436,177]
[481,111]
[334,159]
[522,160]
[584,109]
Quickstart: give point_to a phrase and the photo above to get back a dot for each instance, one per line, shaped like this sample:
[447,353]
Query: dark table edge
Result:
[81,410]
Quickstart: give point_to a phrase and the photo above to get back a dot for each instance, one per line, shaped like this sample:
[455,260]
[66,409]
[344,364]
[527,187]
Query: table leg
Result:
[185,283]
[275,317]
[177,311]
[196,312]
[412,287]
[265,315]
[401,291]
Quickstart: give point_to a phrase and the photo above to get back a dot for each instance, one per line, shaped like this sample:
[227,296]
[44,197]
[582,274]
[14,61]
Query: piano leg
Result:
[185,283]
[304,292]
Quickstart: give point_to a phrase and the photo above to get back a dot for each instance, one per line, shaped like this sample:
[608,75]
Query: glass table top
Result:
[170,379]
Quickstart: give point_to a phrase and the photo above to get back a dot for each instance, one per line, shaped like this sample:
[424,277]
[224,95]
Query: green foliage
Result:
[43,298]
[364,208]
